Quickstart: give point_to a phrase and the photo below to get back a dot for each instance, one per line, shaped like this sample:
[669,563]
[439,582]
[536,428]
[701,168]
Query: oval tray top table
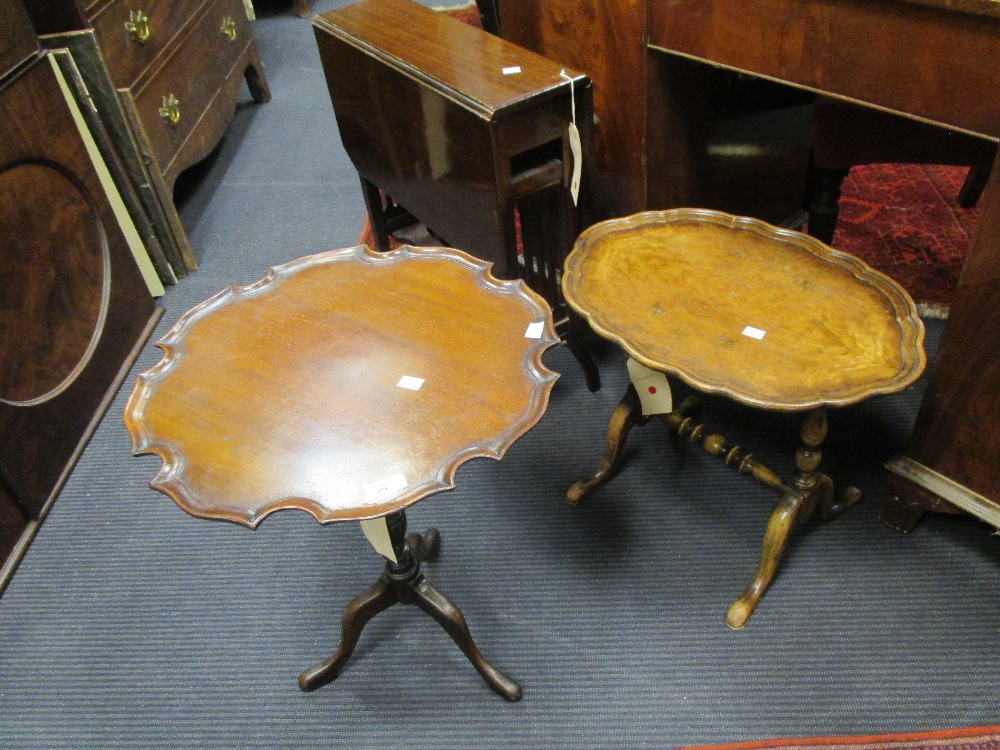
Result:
[768,317]
[349,385]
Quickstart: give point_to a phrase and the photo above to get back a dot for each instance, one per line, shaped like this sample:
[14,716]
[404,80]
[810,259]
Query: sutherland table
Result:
[349,385]
[768,317]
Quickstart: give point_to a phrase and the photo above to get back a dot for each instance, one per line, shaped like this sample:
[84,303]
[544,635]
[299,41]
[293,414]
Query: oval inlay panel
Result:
[54,282]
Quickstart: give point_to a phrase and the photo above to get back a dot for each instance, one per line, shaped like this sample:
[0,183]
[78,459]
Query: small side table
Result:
[768,317]
[350,385]
[458,128]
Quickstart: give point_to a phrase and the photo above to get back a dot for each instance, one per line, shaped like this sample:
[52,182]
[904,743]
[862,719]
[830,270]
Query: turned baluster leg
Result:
[816,486]
[626,415]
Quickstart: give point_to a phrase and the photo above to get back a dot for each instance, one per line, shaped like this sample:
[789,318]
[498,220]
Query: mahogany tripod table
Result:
[348,384]
[768,317]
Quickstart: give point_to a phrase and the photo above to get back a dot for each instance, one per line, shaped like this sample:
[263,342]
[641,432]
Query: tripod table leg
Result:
[363,608]
[450,617]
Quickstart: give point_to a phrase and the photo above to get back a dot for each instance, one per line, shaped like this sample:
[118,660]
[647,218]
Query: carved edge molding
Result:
[170,478]
[911,328]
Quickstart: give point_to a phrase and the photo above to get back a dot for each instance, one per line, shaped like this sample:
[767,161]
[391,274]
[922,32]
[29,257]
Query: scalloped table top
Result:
[347,384]
[731,305]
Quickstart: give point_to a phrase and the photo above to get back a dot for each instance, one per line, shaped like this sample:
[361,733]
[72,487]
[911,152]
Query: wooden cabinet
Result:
[670,133]
[74,306]
[165,76]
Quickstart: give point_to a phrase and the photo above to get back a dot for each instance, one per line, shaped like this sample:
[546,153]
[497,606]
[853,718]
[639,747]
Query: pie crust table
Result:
[349,385]
[768,317]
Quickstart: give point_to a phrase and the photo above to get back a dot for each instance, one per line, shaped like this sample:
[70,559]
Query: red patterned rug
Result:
[901,219]
[972,738]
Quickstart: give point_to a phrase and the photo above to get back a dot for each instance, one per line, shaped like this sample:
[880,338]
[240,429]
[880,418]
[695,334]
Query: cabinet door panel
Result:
[17,41]
[73,304]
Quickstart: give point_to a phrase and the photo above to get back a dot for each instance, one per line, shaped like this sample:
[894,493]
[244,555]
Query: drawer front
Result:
[173,100]
[124,51]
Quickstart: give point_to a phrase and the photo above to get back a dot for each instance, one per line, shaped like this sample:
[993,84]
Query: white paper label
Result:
[387,488]
[574,141]
[513,70]
[410,383]
[652,387]
[577,150]
[535,330]
[754,333]
[376,530]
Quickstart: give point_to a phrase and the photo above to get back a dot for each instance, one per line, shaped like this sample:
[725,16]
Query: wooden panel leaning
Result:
[75,308]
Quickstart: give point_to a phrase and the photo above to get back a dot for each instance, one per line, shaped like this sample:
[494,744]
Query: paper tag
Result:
[376,530]
[513,70]
[387,488]
[652,387]
[535,330]
[577,150]
[754,333]
[575,146]
[410,383]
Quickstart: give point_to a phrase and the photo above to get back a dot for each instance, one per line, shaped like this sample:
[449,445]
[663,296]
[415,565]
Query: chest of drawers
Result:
[165,76]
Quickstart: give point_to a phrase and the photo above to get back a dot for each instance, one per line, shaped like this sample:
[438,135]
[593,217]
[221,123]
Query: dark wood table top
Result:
[453,57]
[301,390]
[732,305]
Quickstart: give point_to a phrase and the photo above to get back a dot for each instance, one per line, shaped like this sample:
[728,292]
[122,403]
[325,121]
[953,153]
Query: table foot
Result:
[363,608]
[425,547]
[403,583]
[838,504]
[450,617]
[779,527]
[626,415]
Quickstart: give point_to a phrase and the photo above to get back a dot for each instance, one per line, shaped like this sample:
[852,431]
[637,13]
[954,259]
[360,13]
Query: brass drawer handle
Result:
[170,112]
[137,26]
[228,29]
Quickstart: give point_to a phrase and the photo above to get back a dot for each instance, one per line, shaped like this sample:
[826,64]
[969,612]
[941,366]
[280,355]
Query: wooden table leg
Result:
[779,528]
[403,583]
[626,415]
[577,334]
[811,490]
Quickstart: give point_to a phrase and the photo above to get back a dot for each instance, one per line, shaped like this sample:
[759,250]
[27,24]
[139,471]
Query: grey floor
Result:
[130,624]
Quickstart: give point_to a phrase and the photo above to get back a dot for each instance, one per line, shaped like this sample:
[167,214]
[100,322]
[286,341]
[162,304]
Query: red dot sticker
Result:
[652,389]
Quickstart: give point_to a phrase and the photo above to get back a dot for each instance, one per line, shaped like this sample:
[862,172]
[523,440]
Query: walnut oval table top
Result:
[731,305]
[347,384]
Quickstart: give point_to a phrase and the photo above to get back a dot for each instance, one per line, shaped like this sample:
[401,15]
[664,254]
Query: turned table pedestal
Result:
[349,385]
[767,317]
